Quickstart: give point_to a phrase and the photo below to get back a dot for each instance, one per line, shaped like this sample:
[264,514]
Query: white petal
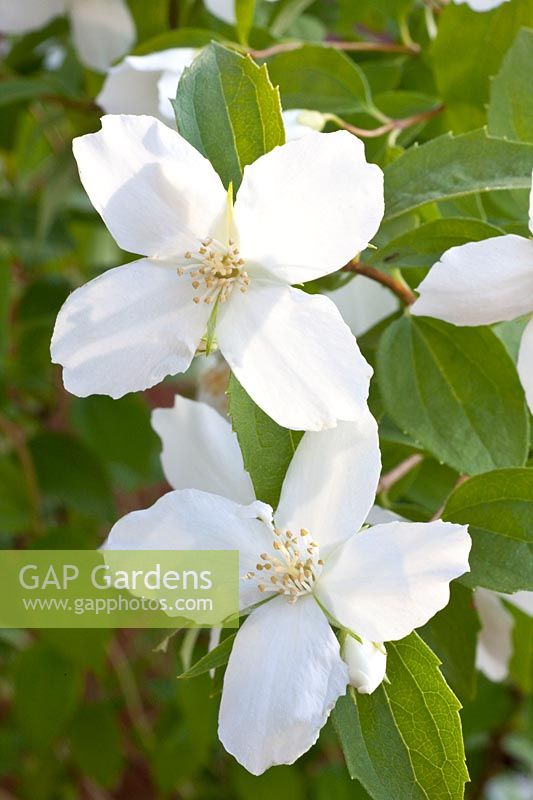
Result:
[494,644]
[531,205]
[20,16]
[103,30]
[331,482]
[295,356]
[381,516]
[157,195]
[388,580]
[480,282]
[192,520]
[363,303]
[200,451]
[367,663]
[521,600]
[283,678]
[481,5]
[223,9]
[127,330]
[306,208]
[299,122]
[143,84]
[525,363]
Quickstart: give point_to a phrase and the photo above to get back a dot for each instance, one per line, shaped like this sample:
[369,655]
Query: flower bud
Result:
[367,663]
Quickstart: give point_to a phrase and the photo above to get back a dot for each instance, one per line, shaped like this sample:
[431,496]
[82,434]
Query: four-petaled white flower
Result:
[145,84]
[312,564]
[495,642]
[103,30]
[302,211]
[480,283]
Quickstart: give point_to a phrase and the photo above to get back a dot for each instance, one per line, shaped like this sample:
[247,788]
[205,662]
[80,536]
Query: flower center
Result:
[292,570]
[215,270]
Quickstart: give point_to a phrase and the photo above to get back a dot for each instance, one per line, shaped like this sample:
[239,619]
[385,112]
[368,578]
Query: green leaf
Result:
[423,246]
[181,37]
[267,449]
[319,78]
[106,426]
[445,387]
[404,740]
[95,743]
[17,90]
[452,635]
[229,110]
[511,101]
[498,508]
[345,718]
[244,11]
[216,657]
[47,687]
[286,13]
[468,50]
[455,166]
[69,474]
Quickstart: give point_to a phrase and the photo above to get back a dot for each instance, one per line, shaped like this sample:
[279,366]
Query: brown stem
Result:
[173,15]
[388,480]
[360,47]
[401,291]
[392,125]
[18,441]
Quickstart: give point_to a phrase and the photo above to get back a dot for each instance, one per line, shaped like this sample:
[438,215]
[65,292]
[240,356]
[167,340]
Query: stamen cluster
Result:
[215,270]
[294,568]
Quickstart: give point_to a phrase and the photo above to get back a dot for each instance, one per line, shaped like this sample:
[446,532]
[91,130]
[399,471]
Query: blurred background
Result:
[100,714]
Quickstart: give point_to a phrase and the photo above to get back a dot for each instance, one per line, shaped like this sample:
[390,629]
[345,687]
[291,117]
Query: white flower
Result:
[103,30]
[495,643]
[285,672]
[481,5]
[367,663]
[224,9]
[299,122]
[302,211]
[363,303]
[480,283]
[145,84]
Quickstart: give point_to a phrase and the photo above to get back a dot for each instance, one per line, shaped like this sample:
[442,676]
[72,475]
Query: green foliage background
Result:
[97,714]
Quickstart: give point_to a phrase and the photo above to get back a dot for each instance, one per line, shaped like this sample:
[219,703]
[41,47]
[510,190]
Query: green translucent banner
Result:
[119,588]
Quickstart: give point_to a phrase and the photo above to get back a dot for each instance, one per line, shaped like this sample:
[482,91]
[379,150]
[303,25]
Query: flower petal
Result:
[299,122]
[522,600]
[331,482]
[294,355]
[525,362]
[143,84]
[200,451]
[367,663]
[388,580]
[482,5]
[103,30]
[157,195]
[363,303]
[127,330]
[223,9]
[283,678]
[306,208]
[480,282]
[192,520]
[494,643]
[20,16]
